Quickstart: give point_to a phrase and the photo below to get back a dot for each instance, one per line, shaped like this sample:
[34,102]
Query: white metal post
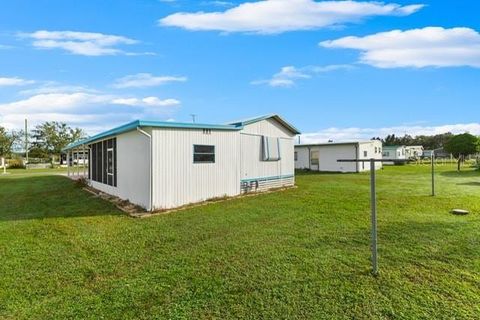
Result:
[68,163]
[373,204]
[433,173]
[84,167]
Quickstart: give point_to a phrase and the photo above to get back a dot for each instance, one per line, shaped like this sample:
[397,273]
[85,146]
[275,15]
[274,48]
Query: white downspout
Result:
[151,166]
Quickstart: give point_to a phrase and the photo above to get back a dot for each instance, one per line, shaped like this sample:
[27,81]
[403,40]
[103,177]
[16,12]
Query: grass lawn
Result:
[300,253]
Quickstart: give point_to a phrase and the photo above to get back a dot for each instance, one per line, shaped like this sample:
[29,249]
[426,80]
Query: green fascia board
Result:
[153,124]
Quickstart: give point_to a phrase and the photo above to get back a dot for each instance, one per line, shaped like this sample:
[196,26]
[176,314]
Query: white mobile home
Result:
[395,153]
[414,152]
[325,156]
[162,165]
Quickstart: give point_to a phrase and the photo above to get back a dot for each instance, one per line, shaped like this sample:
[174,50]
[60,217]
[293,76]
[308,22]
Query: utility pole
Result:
[26,140]
[194,116]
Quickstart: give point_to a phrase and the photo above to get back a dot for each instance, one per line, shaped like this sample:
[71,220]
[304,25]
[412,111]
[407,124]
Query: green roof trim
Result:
[265,117]
[235,126]
[148,123]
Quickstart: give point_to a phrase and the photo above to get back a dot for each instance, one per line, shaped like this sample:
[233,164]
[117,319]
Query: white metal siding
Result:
[268,127]
[178,181]
[330,154]
[133,170]
[370,149]
[303,158]
[259,175]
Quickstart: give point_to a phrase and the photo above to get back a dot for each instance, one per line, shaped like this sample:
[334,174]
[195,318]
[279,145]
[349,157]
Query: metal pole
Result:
[433,173]
[84,166]
[373,204]
[68,163]
[26,140]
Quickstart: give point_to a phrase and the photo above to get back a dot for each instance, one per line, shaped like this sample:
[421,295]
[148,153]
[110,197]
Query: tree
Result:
[7,141]
[462,145]
[51,137]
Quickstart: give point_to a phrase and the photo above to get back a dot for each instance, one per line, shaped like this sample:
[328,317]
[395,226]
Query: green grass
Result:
[301,253]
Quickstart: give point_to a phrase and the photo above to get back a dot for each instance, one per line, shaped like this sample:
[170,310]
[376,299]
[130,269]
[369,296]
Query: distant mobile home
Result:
[394,153]
[324,156]
[414,152]
[162,165]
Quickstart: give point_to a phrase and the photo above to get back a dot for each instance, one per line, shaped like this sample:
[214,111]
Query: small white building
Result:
[325,156]
[414,152]
[394,153]
[161,165]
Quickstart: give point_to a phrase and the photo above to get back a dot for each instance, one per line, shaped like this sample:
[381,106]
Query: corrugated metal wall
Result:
[133,170]
[259,175]
[179,181]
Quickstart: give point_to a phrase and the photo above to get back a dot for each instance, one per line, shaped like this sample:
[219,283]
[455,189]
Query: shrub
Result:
[15,164]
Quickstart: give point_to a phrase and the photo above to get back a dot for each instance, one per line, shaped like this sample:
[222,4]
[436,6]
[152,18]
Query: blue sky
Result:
[97,64]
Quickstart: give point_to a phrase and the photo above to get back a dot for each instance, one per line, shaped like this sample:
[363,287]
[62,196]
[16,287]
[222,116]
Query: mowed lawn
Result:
[295,254]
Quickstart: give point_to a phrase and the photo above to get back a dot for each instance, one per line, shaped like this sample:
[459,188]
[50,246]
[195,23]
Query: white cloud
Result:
[55,87]
[80,43]
[276,16]
[147,102]
[87,109]
[427,47]
[14,81]
[53,102]
[355,134]
[145,80]
[288,75]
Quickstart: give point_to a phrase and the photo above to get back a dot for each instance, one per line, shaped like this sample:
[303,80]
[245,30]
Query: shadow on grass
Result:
[49,196]
[465,173]
[471,183]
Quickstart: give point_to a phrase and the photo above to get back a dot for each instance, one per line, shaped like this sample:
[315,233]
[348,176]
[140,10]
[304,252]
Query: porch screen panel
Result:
[93,161]
[104,162]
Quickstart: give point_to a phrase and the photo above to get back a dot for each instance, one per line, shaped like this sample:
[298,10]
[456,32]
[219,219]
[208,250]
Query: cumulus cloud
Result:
[288,75]
[277,16]
[147,102]
[53,102]
[418,48]
[355,134]
[80,43]
[4,81]
[88,109]
[145,80]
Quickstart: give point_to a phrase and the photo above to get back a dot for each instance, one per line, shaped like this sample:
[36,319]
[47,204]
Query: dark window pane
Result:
[99,162]
[203,157]
[105,164]
[203,149]
[93,163]
[114,143]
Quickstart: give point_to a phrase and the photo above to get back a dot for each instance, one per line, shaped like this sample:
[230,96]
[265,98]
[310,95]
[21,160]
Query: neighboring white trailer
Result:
[414,152]
[394,153]
[163,165]
[324,156]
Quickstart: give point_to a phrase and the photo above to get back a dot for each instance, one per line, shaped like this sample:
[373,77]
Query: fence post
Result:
[433,173]
[373,205]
